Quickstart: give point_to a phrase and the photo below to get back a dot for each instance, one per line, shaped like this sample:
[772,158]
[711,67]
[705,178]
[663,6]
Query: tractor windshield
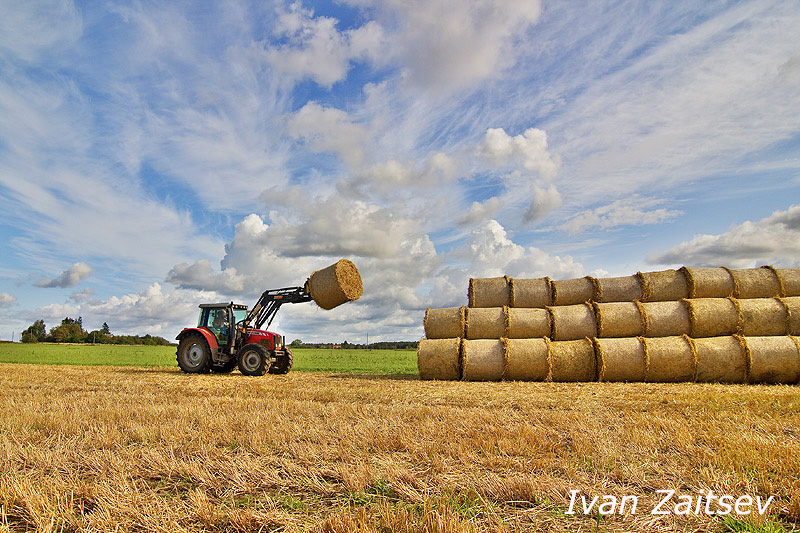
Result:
[239,315]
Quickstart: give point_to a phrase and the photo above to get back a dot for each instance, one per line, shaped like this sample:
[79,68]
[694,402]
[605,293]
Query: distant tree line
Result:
[388,345]
[71,330]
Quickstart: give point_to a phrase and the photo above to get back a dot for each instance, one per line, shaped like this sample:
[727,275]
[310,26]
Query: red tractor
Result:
[224,338]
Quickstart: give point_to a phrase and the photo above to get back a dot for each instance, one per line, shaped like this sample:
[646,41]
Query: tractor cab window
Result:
[239,315]
[216,320]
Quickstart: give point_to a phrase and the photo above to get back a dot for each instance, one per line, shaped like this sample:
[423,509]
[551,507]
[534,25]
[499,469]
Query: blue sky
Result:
[156,155]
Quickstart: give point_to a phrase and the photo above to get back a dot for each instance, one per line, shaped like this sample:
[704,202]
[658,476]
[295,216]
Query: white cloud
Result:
[626,212]
[490,252]
[448,44]
[30,30]
[69,278]
[6,300]
[201,276]
[327,129]
[481,211]
[773,240]
[544,201]
[316,49]
[528,149]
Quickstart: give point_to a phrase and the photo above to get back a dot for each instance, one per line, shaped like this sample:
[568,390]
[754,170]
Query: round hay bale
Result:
[756,283]
[713,317]
[445,322]
[792,304]
[620,359]
[489,292]
[773,359]
[670,359]
[721,360]
[624,289]
[486,323]
[665,319]
[619,319]
[483,360]
[526,359]
[763,316]
[572,360]
[571,322]
[334,285]
[572,291]
[708,282]
[439,359]
[663,286]
[790,281]
[525,323]
[531,292]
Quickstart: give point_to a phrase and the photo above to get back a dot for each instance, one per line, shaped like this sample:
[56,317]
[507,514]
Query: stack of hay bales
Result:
[691,324]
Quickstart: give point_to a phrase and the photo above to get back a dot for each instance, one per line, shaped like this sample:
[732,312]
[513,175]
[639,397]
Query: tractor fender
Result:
[207,335]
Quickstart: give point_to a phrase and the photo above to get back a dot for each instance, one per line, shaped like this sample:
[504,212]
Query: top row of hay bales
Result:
[665,285]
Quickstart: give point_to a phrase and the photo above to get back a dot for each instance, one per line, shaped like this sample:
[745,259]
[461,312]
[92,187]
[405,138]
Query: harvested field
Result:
[81,451]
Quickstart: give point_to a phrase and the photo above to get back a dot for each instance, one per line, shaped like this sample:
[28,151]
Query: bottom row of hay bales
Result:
[728,359]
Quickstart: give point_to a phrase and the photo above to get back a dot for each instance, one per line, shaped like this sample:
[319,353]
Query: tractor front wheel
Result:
[194,356]
[283,364]
[253,360]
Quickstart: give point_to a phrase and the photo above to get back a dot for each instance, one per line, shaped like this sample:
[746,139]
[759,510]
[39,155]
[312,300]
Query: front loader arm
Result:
[271,300]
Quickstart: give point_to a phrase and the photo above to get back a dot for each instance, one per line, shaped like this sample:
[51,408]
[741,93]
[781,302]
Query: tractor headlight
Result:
[278,342]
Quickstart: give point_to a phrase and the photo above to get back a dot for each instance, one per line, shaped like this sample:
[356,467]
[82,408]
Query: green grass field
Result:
[305,359]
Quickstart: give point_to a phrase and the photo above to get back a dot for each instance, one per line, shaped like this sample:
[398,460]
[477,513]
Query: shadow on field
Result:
[385,377]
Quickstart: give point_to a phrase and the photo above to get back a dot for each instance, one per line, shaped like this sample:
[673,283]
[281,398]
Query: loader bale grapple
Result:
[228,336]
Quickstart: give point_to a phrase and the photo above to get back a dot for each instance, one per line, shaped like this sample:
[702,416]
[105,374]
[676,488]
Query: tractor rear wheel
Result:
[253,360]
[283,365]
[194,356]
[224,368]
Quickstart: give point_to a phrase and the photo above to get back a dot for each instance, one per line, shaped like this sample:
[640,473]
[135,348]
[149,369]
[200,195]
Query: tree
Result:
[35,333]
[297,343]
[70,330]
[105,329]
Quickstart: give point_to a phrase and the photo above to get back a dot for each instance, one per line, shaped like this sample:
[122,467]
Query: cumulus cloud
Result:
[449,44]
[69,278]
[481,211]
[528,149]
[199,275]
[316,49]
[544,201]
[6,300]
[490,252]
[631,211]
[326,129]
[773,240]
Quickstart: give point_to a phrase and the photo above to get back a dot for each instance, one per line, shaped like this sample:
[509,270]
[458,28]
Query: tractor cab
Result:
[220,318]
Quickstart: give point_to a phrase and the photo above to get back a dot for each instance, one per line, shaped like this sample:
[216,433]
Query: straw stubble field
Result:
[112,448]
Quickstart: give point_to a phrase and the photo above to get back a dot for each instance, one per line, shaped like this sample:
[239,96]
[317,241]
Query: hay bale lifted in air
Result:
[334,285]
[619,319]
[669,359]
[572,291]
[721,360]
[489,292]
[620,359]
[756,283]
[663,286]
[790,281]
[485,323]
[773,359]
[439,359]
[624,289]
[525,323]
[713,317]
[445,322]
[708,282]
[526,359]
[665,319]
[763,316]
[531,292]
[793,308]
[572,360]
[571,322]
[483,360]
